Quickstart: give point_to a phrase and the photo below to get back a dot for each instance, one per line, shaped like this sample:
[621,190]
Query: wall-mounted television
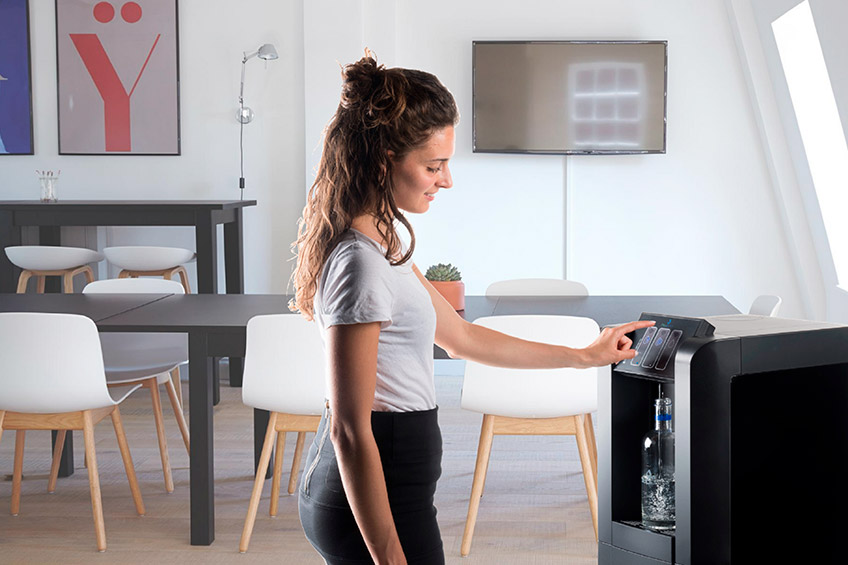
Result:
[569,97]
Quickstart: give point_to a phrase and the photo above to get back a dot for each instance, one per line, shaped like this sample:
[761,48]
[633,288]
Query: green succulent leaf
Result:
[442,272]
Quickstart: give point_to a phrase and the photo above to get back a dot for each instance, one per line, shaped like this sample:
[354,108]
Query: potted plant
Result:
[448,281]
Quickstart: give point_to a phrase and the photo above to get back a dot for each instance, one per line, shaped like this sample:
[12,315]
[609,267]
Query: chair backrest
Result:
[51,363]
[766,305]
[119,348]
[284,365]
[534,393]
[134,286]
[537,287]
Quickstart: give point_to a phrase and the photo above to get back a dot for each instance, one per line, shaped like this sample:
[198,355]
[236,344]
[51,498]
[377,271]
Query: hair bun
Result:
[360,80]
[372,90]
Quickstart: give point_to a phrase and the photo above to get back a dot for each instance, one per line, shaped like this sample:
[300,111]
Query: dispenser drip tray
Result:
[631,536]
[638,524]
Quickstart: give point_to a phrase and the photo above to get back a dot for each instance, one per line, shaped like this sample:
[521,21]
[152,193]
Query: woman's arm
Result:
[352,351]
[464,340]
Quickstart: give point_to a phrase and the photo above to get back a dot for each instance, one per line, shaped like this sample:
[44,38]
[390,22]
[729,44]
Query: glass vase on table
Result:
[48,182]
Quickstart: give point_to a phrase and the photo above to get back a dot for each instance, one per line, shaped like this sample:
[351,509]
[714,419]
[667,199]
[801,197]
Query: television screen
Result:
[569,97]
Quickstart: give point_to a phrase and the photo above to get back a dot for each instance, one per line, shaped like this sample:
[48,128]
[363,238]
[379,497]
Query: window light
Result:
[818,120]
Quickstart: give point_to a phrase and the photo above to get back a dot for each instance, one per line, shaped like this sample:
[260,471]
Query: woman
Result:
[367,492]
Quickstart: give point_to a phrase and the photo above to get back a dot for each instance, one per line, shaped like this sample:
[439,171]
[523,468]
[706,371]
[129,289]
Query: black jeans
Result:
[410,446]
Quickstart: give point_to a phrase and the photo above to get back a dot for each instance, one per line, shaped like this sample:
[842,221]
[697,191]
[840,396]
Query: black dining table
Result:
[204,215]
[216,327]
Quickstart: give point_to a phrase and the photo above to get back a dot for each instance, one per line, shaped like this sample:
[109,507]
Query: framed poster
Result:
[15,79]
[118,77]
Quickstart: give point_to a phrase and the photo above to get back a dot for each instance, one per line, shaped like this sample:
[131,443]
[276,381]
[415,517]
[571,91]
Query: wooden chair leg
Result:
[68,280]
[588,468]
[88,273]
[483,486]
[278,472]
[2,417]
[184,279]
[253,506]
[94,481]
[57,459]
[41,284]
[177,406]
[160,433]
[23,280]
[483,451]
[298,452]
[178,388]
[127,458]
[593,445]
[17,474]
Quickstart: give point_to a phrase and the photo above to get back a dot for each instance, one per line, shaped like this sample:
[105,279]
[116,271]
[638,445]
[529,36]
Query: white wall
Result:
[831,17]
[702,219]
[801,214]
[212,39]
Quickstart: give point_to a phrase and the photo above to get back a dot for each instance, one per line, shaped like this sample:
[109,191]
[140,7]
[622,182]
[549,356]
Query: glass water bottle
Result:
[658,470]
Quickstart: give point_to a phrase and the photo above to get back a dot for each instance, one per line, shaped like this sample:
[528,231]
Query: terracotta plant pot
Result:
[453,291]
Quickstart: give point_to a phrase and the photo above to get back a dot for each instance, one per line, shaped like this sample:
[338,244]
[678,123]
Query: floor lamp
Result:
[245,115]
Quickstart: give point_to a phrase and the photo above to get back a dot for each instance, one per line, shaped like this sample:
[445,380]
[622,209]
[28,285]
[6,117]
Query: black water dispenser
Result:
[760,422]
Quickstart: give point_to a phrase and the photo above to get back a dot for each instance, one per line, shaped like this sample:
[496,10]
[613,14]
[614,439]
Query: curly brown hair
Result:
[381,110]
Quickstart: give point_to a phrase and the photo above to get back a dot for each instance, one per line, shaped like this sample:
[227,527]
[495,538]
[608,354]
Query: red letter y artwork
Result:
[116,100]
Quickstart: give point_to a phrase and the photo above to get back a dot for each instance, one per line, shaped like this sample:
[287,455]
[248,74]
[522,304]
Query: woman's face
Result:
[421,173]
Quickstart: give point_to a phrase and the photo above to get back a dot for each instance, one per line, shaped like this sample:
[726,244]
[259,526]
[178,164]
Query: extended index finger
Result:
[633,326]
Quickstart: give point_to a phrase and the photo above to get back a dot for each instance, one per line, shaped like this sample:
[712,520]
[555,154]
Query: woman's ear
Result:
[384,166]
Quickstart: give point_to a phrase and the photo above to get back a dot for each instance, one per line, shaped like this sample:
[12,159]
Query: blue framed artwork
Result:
[15,79]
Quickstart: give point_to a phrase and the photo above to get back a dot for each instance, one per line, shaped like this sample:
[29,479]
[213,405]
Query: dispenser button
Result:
[643,345]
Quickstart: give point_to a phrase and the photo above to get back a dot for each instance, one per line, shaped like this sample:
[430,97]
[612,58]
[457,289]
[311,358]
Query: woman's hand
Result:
[612,345]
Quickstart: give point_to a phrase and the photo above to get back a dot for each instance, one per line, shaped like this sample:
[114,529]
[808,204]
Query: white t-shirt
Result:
[359,285]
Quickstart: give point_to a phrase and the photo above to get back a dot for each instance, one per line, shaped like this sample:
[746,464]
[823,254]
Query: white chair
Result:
[537,287]
[147,261]
[53,379]
[534,402]
[147,359]
[284,374]
[45,261]
[766,305]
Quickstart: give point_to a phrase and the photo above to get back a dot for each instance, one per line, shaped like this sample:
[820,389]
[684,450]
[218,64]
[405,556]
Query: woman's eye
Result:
[432,170]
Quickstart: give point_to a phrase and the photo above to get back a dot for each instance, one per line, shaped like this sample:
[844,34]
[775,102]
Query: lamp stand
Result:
[245,116]
[266,52]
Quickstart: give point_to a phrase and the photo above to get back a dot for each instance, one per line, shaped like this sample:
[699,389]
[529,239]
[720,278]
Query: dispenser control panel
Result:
[656,346]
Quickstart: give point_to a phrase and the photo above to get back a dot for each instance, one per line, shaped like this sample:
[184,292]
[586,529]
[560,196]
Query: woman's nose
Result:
[446,181]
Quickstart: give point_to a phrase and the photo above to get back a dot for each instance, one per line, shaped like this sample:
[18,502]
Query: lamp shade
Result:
[268,52]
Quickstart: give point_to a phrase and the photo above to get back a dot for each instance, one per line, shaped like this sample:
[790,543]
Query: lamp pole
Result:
[243,118]
[266,52]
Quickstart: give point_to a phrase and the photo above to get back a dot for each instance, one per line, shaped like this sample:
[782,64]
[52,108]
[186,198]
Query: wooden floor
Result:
[534,510]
